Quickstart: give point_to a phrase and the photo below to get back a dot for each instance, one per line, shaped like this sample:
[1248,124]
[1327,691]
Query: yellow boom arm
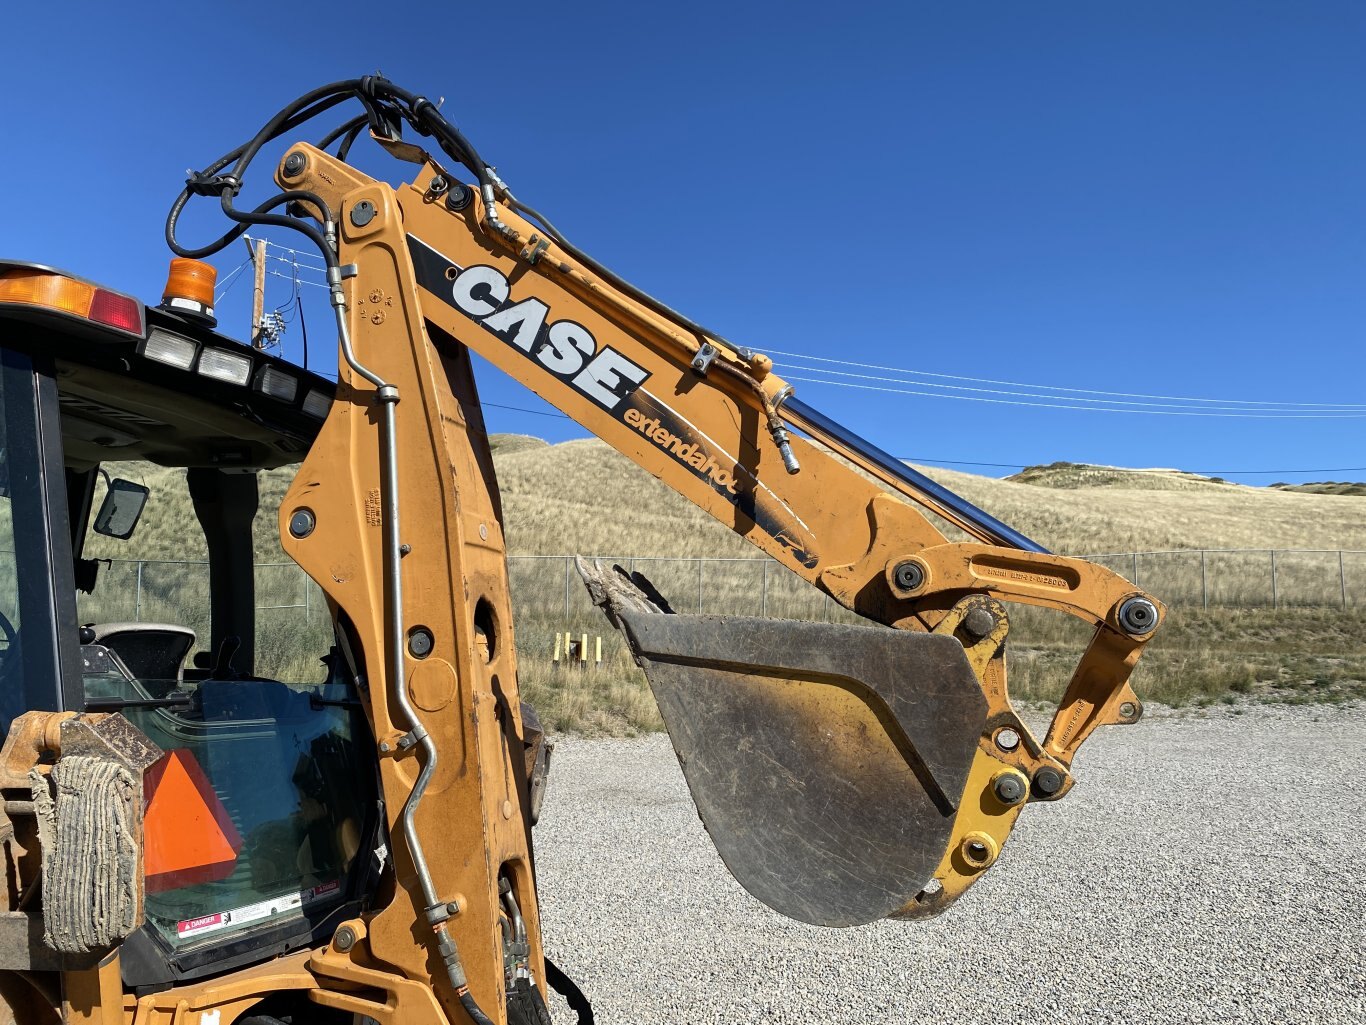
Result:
[429,271]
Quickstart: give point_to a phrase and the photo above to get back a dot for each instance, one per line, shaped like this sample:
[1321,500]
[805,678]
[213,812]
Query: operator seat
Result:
[154,652]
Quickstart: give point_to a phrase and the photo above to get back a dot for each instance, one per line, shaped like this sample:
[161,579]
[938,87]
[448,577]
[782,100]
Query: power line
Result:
[520,409]
[1096,409]
[1262,408]
[290,277]
[1125,469]
[295,252]
[1017,466]
[229,281]
[1049,387]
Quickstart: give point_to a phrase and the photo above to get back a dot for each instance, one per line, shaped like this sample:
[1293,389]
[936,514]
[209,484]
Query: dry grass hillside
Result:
[1355,489]
[1072,476]
[582,496]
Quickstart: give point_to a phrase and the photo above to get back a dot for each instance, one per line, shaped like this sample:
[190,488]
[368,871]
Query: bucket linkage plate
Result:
[827,762]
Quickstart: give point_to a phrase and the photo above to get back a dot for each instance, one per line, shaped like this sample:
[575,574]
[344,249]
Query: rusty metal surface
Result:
[111,737]
[22,948]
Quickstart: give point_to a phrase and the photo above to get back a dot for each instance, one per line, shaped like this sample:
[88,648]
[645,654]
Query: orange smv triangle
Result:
[188,837]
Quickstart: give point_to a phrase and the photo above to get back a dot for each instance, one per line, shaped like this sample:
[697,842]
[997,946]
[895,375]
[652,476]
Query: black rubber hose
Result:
[473,1009]
[330,95]
[357,122]
[423,110]
[295,114]
[344,149]
[573,996]
[242,225]
[259,216]
[632,290]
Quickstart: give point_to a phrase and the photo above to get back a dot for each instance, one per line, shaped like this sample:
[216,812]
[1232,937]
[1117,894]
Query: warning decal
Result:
[238,917]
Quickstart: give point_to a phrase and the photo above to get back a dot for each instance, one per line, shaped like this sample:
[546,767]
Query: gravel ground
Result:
[1206,868]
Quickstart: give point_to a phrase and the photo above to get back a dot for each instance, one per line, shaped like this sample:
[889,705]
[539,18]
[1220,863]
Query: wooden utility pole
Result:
[258,296]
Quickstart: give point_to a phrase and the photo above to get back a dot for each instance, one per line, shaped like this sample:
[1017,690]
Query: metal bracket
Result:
[705,357]
[535,247]
[348,270]
[413,737]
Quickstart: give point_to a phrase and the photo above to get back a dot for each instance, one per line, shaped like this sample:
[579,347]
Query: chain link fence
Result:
[156,590]
[1246,577]
[548,597]
[549,600]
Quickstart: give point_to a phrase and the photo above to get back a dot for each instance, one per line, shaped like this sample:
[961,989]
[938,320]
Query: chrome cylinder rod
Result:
[982,525]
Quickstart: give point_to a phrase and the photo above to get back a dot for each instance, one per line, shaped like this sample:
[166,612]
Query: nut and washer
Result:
[301,524]
[344,938]
[1047,781]
[459,196]
[1010,788]
[295,164]
[420,642]
[1137,616]
[909,575]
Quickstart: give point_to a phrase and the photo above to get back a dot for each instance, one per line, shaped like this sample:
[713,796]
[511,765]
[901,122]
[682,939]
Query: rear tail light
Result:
[114,310]
[52,291]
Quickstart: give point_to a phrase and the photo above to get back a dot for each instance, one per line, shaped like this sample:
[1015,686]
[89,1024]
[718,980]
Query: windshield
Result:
[257,810]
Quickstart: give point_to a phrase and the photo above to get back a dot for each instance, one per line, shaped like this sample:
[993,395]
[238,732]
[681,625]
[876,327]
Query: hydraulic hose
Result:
[386,107]
[354,125]
[373,94]
[573,996]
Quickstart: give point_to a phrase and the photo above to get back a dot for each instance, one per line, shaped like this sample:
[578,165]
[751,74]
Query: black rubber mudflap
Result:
[827,762]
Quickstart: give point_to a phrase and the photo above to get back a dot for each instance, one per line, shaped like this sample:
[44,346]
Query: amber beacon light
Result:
[189,289]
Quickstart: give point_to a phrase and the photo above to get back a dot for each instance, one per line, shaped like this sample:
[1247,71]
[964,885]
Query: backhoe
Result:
[193,838]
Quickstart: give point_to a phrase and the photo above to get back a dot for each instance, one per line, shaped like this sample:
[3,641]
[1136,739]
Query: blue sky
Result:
[1161,198]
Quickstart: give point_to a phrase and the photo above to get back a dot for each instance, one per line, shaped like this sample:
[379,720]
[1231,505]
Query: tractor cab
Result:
[142,456]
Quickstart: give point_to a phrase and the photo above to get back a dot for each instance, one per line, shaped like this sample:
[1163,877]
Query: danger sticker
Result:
[198,924]
[238,917]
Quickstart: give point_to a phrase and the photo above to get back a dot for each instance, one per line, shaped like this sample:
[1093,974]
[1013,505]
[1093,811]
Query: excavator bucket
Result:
[827,762]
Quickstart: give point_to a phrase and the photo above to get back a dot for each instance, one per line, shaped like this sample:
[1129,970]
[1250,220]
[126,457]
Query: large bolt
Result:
[301,524]
[362,213]
[344,938]
[909,576]
[1137,616]
[420,642]
[978,623]
[295,164]
[459,196]
[1009,788]
[1047,781]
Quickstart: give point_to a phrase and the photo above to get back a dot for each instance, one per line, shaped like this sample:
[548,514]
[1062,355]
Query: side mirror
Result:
[121,508]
